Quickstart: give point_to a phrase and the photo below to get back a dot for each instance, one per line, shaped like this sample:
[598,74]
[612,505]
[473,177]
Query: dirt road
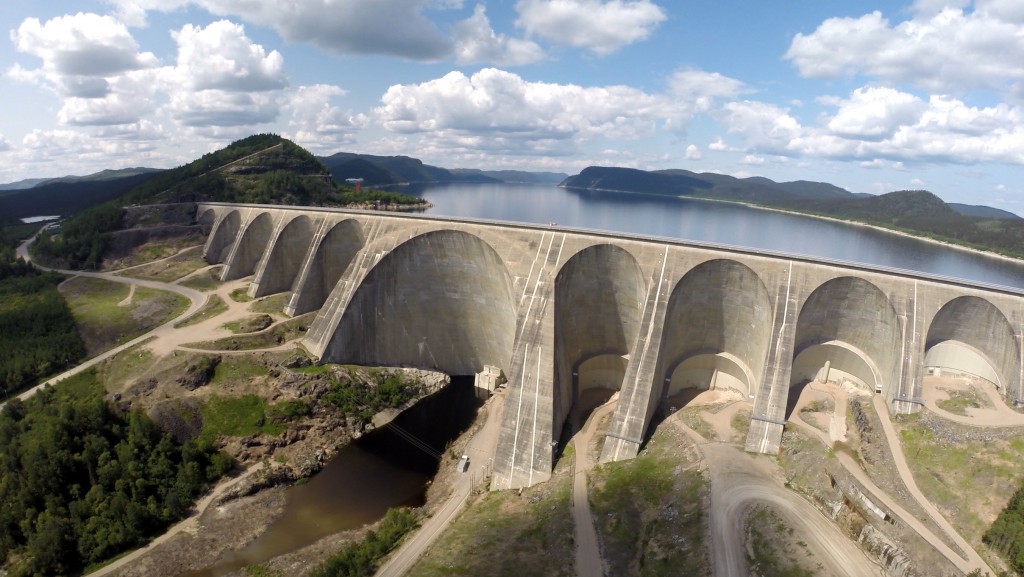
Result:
[481,453]
[588,553]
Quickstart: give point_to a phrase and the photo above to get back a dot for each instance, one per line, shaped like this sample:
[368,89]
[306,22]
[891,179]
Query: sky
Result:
[872,96]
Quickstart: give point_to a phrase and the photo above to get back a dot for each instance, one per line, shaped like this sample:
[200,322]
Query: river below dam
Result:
[370,475]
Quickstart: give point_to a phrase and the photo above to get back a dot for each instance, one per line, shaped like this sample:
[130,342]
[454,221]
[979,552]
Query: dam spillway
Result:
[561,311]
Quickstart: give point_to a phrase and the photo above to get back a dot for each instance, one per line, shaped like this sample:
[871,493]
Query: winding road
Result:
[196,299]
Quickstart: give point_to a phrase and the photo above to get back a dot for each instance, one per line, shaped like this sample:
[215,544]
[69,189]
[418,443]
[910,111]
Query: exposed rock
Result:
[198,372]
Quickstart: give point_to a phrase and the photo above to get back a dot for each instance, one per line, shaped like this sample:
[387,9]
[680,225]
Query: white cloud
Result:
[752,160]
[874,113]
[601,26]
[222,79]
[387,27]
[81,45]
[875,124]
[718,145]
[693,152]
[945,50]
[766,127]
[221,57]
[476,41]
[495,109]
[4,145]
[917,182]
[316,123]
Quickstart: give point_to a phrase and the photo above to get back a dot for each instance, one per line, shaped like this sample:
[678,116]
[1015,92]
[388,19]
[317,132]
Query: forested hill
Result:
[390,170]
[918,212]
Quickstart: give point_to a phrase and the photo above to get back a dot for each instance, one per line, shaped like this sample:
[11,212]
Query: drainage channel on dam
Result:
[368,476]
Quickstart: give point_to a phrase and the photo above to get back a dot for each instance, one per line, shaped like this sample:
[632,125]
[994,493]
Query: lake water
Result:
[716,222]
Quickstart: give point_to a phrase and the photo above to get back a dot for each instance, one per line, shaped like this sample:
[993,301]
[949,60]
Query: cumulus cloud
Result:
[221,57]
[601,26]
[319,125]
[81,45]
[388,27]
[222,78]
[4,145]
[693,152]
[945,50]
[503,106]
[476,41]
[876,125]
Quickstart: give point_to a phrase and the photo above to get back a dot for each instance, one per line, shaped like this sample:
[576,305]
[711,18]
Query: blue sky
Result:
[871,96]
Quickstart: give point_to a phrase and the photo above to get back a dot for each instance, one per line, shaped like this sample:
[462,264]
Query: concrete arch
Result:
[333,254]
[847,330]
[969,334]
[441,300]
[281,268]
[599,293]
[718,321]
[206,219]
[250,247]
[223,237]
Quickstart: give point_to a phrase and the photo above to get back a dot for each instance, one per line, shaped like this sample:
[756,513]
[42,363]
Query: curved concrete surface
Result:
[855,311]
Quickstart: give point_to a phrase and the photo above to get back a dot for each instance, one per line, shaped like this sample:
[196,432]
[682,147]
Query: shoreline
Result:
[904,234]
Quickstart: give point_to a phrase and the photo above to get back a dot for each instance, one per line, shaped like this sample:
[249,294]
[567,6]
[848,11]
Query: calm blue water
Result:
[715,222]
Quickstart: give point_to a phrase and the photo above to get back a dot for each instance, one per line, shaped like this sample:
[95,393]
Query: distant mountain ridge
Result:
[757,189]
[393,170]
[916,211]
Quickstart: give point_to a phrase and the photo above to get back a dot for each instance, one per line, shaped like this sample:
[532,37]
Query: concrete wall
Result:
[559,311]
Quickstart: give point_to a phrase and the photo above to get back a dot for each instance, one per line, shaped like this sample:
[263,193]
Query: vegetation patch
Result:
[103,322]
[240,295]
[507,534]
[38,335]
[957,467]
[362,559]
[960,400]
[181,264]
[276,335]
[237,417]
[213,307]
[649,512]
[771,551]
[82,483]
[272,304]
[206,280]
[128,365]
[235,369]
[250,324]
[363,397]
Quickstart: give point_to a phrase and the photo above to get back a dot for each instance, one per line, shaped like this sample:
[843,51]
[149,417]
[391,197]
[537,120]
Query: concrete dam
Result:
[560,312]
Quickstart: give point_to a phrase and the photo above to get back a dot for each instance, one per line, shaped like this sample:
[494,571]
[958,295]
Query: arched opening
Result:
[847,334]
[333,255]
[206,219]
[251,246]
[717,332]
[599,294]
[224,237]
[970,336]
[441,300]
[285,258]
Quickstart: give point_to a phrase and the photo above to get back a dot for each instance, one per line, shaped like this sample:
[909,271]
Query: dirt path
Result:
[481,455]
[998,415]
[189,524]
[740,481]
[878,495]
[588,553]
[128,299]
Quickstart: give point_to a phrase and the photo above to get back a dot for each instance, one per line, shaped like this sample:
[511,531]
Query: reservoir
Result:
[716,222]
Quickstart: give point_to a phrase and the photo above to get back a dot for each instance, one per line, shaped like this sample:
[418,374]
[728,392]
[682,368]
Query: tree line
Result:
[81,482]
[38,335]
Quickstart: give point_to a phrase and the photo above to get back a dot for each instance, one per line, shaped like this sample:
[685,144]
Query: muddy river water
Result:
[388,467]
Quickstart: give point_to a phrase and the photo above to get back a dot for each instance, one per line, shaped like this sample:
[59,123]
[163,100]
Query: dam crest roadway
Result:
[560,312]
